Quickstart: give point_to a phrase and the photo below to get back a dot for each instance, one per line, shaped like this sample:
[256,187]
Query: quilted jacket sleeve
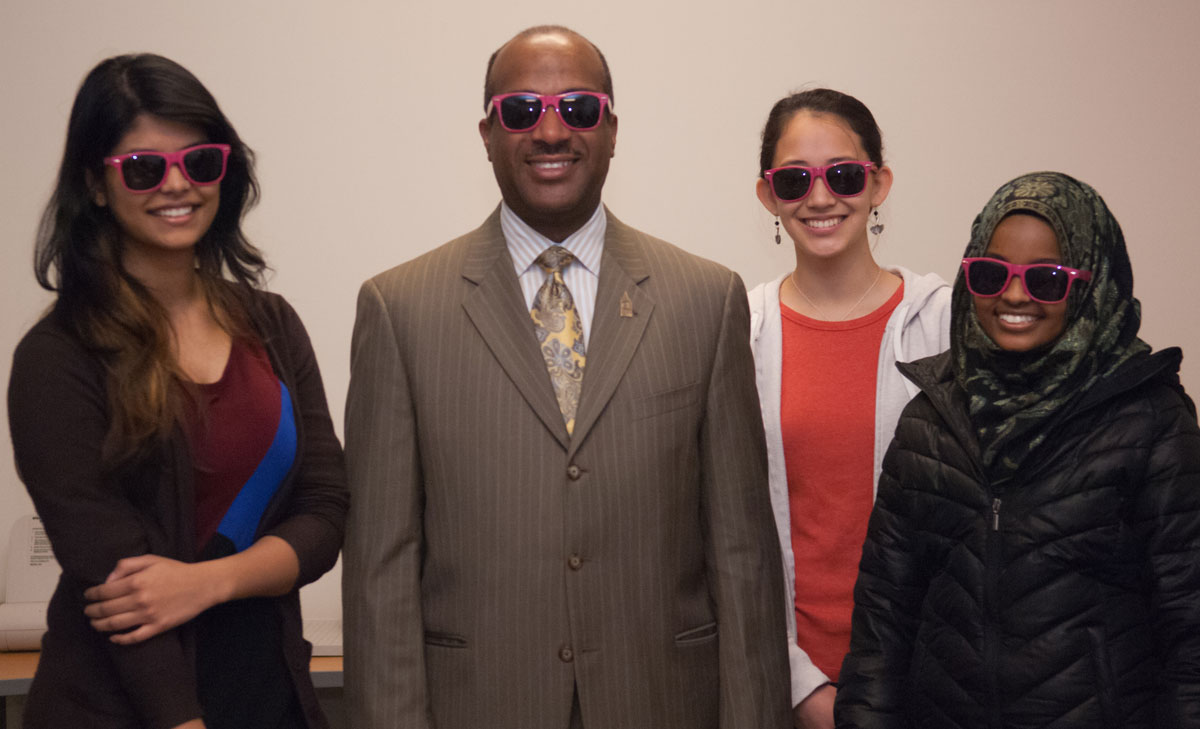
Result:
[1166,515]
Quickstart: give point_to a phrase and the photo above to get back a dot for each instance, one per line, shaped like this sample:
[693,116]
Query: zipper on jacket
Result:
[991,614]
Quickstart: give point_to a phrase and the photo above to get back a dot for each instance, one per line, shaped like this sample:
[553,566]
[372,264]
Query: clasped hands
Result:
[148,595]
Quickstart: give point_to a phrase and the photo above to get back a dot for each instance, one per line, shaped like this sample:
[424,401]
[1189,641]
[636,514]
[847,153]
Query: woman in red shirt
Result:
[826,337]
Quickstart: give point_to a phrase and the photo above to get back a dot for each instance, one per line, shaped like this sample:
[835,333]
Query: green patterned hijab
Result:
[1014,396]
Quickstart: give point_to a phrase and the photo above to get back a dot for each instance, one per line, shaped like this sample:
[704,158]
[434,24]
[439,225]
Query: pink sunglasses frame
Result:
[1019,269]
[548,100]
[818,173]
[174,159]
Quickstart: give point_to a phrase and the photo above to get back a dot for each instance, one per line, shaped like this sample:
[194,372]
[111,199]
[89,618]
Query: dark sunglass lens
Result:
[143,171]
[986,278]
[580,112]
[791,183]
[520,112]
[204,165]
[1047,283]
[846,179]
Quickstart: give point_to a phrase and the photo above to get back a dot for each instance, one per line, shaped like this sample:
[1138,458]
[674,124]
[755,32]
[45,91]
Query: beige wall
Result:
[363,114]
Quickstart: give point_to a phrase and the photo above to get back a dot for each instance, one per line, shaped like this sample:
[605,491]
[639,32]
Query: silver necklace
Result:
[817,309]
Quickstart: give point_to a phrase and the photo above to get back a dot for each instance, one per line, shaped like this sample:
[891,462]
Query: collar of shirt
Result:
[587,244]
[525,244]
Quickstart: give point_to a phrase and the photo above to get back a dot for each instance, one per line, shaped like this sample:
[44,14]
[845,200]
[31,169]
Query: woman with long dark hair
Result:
[169,422]
[826,337]
[1032,560]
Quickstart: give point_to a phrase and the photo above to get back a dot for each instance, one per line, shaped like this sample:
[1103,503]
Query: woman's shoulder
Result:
[762,298]
[50,340]
[1146,381]
[270,313]
[51,364]
[925,294]
[764,293]
[922,319]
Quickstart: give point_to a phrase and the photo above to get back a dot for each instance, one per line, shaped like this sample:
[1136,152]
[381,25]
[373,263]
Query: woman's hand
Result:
[150,594]
[816,710]
[154,594]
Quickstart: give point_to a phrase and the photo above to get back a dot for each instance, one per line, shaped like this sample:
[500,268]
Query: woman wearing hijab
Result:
[1032,558]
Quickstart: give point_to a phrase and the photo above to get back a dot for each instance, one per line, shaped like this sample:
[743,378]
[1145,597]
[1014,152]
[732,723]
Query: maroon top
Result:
[230,432]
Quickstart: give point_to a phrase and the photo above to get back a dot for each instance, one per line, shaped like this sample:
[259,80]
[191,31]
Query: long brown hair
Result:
[78,253]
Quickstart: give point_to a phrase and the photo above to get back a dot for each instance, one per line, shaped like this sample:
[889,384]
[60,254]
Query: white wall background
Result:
[363,114]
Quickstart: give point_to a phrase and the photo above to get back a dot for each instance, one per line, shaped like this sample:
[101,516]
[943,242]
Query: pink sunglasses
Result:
[142,172]
[523,111]
[1048,283]
[795,182]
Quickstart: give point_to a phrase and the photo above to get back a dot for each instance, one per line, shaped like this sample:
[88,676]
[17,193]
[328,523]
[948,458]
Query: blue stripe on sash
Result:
[241,521]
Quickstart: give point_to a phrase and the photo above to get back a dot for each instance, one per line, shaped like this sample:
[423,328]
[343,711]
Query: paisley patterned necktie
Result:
[560,332]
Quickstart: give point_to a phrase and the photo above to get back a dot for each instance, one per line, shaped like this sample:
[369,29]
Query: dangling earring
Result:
[876,227]
[778,240]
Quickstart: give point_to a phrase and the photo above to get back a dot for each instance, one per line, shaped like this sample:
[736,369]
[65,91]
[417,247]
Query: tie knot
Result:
[554,259]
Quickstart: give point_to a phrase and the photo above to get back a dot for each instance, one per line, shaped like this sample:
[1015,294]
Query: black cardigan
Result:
[1068,597]
[58,416]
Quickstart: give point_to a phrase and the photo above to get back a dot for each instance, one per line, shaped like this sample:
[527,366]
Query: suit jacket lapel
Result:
[615,333]
[496,307]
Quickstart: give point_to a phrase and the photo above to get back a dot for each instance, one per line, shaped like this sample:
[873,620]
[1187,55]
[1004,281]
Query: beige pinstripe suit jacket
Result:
[492,563]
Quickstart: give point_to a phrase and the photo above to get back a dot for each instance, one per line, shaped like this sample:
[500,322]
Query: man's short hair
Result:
[488,92]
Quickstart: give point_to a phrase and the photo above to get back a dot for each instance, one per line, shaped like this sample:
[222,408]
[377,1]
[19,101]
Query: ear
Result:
[485,134]
[766,197]
[883,185]
[99,197]
[612,130]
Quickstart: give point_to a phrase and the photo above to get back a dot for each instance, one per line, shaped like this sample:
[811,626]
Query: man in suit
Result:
[559,513]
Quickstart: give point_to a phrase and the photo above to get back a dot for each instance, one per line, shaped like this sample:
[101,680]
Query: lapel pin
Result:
[626,305]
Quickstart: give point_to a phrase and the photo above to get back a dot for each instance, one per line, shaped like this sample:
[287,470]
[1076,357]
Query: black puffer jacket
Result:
[1069,597]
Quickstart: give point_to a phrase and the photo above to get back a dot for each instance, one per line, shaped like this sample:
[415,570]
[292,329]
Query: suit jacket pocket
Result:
[696,636]
[444,640]
[666,401]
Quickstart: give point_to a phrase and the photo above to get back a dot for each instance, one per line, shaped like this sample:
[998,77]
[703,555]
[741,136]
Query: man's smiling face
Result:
[552,175]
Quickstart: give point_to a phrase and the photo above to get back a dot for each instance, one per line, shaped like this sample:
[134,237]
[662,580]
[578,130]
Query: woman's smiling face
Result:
[823,225]
[172,218]
[1013,320]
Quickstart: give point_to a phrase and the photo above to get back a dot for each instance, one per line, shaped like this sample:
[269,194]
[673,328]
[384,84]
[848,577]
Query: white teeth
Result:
[173,212]
[826,223]
[550,165]
[1017,318]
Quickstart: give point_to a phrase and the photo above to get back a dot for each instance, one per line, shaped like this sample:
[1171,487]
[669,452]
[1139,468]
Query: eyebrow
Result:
[150,150]
[833,161]
[998,257]
[559,93]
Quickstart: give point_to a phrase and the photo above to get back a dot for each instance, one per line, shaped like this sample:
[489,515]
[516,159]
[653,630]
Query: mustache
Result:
[543,147]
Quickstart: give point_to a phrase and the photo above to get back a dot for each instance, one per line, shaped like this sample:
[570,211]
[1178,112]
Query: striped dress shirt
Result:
[587,245]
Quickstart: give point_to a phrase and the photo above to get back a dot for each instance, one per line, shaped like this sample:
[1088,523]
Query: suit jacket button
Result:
[574,561]
[574,472]
[565,654]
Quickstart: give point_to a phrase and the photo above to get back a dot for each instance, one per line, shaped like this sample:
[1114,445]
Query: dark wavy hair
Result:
[79,243]
[821,101]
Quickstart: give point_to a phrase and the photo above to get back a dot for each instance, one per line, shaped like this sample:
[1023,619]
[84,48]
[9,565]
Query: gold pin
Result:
[626,305]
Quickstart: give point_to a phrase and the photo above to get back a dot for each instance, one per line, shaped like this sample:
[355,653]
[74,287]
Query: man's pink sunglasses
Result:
[523,111]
